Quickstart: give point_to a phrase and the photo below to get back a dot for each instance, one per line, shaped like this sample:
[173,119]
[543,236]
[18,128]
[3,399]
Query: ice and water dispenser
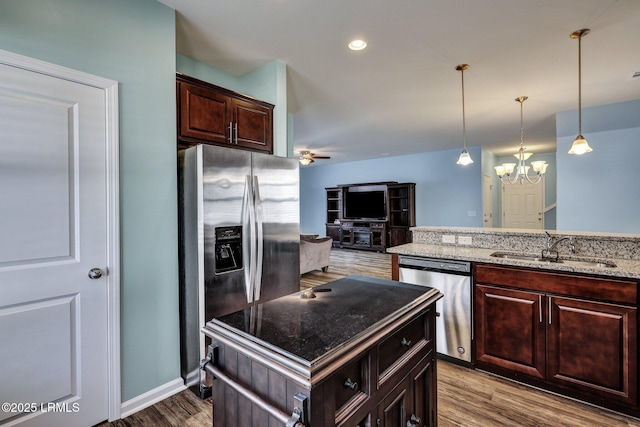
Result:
[228,249]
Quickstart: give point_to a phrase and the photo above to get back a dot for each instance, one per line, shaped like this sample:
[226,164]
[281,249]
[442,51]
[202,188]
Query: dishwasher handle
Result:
[419,263]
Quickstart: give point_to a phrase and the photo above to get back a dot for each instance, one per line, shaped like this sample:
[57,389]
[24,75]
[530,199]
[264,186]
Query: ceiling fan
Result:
[307,157]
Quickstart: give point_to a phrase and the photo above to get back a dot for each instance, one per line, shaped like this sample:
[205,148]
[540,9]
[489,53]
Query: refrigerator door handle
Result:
[248,232]
[259,239]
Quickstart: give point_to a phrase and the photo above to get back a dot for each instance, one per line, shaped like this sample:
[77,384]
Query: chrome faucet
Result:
[552,245]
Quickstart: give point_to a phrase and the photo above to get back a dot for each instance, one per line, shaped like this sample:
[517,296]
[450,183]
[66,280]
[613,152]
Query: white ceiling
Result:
[402,93]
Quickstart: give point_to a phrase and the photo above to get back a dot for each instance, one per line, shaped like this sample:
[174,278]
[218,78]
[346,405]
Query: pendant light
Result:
[580,144]
[511,173]
[465,158]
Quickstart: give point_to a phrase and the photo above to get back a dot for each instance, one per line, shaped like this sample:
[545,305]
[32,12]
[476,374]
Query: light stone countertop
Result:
[625,268]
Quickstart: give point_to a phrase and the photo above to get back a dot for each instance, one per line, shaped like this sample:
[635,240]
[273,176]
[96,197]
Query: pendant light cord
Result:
[464,125]
[521,130]
[580,85]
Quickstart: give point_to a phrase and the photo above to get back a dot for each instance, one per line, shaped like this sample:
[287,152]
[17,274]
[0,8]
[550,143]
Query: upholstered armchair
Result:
[314,254]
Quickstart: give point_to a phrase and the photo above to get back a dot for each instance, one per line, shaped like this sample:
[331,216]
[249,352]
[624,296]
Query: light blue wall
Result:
[132,42]
[268,83]
[599,191]
[445,191]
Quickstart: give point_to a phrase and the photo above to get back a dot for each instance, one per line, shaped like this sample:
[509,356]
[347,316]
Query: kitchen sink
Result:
[577,262]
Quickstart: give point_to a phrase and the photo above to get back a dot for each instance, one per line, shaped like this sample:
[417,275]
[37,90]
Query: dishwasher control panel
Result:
[434,264]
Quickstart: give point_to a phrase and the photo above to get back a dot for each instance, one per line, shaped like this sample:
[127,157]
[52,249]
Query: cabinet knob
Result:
[405,342]
[413,421]
[350,384]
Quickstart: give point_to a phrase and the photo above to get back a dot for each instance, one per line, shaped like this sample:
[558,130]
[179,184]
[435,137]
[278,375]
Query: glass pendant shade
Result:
[539,166]
[305,161]
[464,159]
[525,155]
[580,146]
[509,167]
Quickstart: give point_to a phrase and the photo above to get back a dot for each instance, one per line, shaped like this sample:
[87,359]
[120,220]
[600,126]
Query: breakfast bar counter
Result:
[592,252]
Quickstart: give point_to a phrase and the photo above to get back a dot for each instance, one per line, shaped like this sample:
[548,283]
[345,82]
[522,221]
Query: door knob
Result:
[95,273]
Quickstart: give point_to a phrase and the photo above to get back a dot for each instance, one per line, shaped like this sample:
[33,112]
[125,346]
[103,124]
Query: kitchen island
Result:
[358,351]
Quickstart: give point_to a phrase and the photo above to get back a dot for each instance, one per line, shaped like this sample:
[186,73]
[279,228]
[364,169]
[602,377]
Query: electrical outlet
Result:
[464,240]
[449,238]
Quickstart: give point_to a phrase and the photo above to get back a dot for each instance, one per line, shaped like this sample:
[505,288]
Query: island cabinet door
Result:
[592,347]
[413,401]
[510,330]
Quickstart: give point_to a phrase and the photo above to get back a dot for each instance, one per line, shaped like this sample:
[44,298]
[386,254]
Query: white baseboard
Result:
[151,397]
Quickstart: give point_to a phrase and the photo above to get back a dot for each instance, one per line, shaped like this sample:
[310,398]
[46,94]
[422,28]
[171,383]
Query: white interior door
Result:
[523,205]
[487,208]
[54,230]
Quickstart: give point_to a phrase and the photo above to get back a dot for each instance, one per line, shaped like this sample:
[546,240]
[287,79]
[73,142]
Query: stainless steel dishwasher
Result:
[454,332]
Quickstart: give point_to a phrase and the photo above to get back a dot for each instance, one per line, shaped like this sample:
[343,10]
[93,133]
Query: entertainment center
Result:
[371,216]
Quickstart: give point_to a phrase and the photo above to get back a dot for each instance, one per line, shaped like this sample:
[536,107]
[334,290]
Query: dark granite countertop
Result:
[308,329]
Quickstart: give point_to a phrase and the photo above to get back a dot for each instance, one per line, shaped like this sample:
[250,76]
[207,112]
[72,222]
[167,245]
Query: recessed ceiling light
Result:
[357,44]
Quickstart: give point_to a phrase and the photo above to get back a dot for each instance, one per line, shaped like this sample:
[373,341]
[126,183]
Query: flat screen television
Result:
[365,205]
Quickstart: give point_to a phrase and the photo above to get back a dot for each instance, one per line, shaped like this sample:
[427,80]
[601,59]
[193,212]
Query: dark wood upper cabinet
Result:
[208,114]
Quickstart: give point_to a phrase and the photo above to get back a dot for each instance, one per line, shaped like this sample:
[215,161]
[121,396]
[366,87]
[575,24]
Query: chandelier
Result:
[511,173]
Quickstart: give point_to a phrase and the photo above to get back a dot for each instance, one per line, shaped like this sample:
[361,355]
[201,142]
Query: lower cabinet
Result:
[410,403]
[510,333]
[591,347]
[571,334]
[363,235]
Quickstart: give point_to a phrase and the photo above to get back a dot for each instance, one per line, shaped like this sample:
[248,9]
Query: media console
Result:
[371,216]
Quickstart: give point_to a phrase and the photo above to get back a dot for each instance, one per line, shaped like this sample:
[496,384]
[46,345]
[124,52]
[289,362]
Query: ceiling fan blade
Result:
[320,157]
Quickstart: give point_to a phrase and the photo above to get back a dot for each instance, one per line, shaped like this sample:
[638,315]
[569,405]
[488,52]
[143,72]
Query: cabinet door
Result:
[253,125]
[333,231]
[205,115]
[413,401]
[392,410]
[399,236]
[592,347]
[510,330]
[422,410]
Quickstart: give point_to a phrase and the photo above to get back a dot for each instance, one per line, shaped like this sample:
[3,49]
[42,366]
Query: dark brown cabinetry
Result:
[363,235]
[209,114]
[386,377]
[410,403]
[392,229]
[572,334]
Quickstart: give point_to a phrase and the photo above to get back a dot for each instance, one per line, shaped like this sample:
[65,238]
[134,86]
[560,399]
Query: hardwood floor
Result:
[466,398]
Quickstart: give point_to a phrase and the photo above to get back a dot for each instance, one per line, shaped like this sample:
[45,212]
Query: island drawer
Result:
[401,342]
[350,381]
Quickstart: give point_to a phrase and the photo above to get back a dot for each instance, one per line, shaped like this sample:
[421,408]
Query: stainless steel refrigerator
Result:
[239,239]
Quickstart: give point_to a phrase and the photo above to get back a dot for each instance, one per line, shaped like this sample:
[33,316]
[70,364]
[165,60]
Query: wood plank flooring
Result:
[466,398]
